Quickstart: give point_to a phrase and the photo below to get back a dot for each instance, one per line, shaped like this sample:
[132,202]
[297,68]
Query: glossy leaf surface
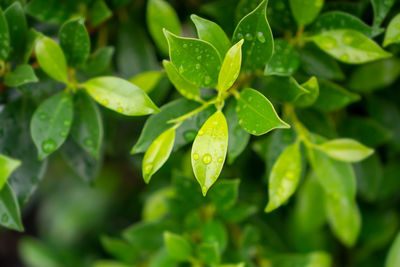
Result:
[284,61]
[7,166]
[392,34]
[120,95]
[18,29]
[147,80]
[348,150]
[9,209]
[230,68]
[381,9]
[256,114]
[209,150]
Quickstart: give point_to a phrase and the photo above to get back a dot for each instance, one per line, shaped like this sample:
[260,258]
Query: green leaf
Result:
[18,29]
[184,87]
[333,97]
[284,177]
[209,150]
[51,123]
[258,45]
[21,75]
[4,37]
[87,128]
[196,60]
[393,257]
[224,194]
[99,12]
[305,11]
[370,178]
[316,62]
[212,33]
[230,68]
[345,149]
[34,253]
[208,253]
[308,99]
[344,218]
[51,11]
[285,59]
[157,205]
[158,153]
[7,166]
[161,15]
[147,80]
[178,247]
[349,46]
[392,34]
[375,75]
[120,95]
[283,88]
[335,20]
[51,58]
[9,209]
[215,231]
[381,9]
[118,248]
[238,138]
[99,61]
[337,178]
[277,143]
[256,114]
[75,41]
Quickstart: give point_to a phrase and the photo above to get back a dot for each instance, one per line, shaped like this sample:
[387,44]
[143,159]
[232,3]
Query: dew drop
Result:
[249,37]
[220,159]
[120,110]
[181,69]
[240,36]
[328,42]
[207,159]
[201,132]
[260,37]
[49,145]
[195,156]
[104,102]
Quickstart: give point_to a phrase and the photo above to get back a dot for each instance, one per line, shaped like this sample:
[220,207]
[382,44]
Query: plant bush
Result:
[272,130]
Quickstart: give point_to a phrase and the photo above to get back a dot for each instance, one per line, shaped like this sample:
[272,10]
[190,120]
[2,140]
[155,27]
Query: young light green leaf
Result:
[283,88]
[335,20]
[349,46]
[87,128]
[161,15]
[284,177]
[256,114]
[147,80]
[381,9]
[209,150]
[230,68]
[75,41]
[51,59]
[305,11]
[9,209]
[120,95]
[184,87]
[392,34]
[21,75]
[157,154]
[99,12]
[344,218]
[51,123]
[393,257]
[18,28]
[4,37]
[7,166]
[196,60]
[285,59]
[177,246]
[258,45]
[345,149]
[212,33]
[308,99]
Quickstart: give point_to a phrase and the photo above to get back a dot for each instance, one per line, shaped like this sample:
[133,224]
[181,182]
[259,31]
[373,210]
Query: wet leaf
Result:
[345,149]
[285,59]
[256,114]
[305,11]
[230,68]
[21,75]
[209,150]
[392,34]
[381,9]
[308,99]
[7,166]
[10,214]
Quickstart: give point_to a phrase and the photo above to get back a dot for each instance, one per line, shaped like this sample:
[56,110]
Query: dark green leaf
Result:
[118,248]
[305,11]
[308,99]
[4,37]
[21,75]
[285,89]
[285,59]
[224,194]
[208,253]
[215,231]
[99,12]
[10,216]
[18,29]
[381,8]
[99,61]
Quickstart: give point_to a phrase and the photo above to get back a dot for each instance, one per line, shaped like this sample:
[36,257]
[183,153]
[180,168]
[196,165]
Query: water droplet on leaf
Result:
[207,159]
[49,145]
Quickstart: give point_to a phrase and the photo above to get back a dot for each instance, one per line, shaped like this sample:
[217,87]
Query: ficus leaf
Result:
[161,15]
[345,149]
[392,34]
[208,252]
[51,58]
[157,153]
[256,113]
[210,32]
[177,246]
[308,99]
[196,60]
[305,11]
[349,46]
[4,37]
[9,209]
[283,88]
[99,12]
[393,257]
[51,123]
[21,75]
[75,41]
[284,177]
[120,96]
[381,9]
[258,45]
[184,87]
[209,150]
[230,68]
[147,80]
[7,166]
[285,59]
[98,62]
[18,29]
